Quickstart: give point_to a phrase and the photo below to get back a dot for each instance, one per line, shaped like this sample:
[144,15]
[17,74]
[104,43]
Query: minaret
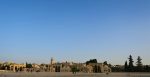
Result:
[51,66]
[52,61]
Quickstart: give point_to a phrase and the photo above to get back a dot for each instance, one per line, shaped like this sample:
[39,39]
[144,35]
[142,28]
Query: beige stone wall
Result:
[15,67]
[65,69]
[52,68]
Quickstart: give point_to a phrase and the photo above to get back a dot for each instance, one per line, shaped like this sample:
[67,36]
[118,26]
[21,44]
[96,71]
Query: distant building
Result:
[82,67]
[99,68]
[17,67]
[58,67]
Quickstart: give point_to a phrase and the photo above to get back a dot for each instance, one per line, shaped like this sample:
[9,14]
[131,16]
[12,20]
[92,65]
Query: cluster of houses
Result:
[56,67]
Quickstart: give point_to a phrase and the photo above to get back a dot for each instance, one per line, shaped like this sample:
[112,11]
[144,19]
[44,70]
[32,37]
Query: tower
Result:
[52,66]
[52,61]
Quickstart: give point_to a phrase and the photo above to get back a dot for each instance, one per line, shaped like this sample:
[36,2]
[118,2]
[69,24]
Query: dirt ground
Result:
[69,74]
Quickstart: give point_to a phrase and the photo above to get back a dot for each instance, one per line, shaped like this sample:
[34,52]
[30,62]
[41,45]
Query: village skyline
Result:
[74,38]
[71,61]
[74,30]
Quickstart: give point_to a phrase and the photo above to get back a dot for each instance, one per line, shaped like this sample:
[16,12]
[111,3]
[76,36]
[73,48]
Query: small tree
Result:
[105,63]
[74,69]
[109,65]
[146,68]
[91,61]
[28,65]
[139,61]
[139,64]
[126,66]
[131,67]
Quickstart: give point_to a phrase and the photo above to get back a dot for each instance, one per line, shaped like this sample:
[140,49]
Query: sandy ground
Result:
[69,74]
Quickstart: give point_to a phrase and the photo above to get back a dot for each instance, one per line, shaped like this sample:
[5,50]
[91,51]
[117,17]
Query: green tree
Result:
[131,67]
[91,61]
[146,68]
[109,65]
[74,69]
[28,65]
[105,63]
[139,64]
[126,66]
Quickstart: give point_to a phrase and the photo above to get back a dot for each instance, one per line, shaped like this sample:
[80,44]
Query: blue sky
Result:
[74,30]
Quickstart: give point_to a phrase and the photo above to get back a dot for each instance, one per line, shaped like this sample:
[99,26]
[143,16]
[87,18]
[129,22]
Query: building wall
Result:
[17,67]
